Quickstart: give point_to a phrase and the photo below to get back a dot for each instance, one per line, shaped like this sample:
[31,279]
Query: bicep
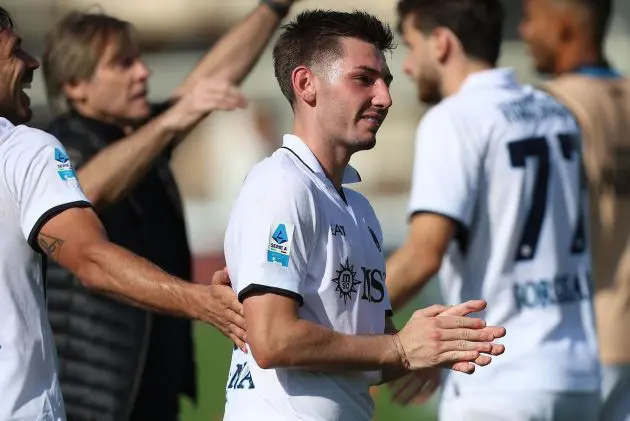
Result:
[430,233]
[66,236]
[267,315]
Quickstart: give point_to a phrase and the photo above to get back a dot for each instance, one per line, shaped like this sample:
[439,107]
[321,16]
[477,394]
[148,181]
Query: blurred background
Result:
[215,158]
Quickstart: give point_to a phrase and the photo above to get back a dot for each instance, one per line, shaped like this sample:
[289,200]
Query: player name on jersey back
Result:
[507,167]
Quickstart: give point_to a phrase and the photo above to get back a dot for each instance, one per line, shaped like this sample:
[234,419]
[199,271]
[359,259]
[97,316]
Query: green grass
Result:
[213,353]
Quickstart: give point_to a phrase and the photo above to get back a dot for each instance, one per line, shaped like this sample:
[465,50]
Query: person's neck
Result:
[333,159]
[456,75]
[125,126]
[578,54]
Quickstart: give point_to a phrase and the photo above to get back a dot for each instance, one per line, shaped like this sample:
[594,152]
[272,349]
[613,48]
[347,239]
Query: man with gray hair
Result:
[44,213]
[121,144]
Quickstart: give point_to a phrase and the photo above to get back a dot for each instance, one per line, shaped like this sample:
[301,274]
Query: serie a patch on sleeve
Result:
[64,167]
[280,240]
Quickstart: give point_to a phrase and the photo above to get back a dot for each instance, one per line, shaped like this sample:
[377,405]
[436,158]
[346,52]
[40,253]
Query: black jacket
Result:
[109,352]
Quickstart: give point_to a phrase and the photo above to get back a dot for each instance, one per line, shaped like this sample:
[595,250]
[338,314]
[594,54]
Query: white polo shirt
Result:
[37,182]
[291,233]
[503,161]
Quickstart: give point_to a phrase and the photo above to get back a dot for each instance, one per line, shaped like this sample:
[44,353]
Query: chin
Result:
[364,144]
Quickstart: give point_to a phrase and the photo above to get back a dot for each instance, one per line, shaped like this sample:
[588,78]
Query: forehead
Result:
[116,45]
[360,53]
[408,26]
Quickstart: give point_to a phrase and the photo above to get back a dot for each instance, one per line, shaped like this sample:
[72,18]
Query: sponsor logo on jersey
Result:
[371,284]
[338,230]
[346,281]
[279,246]
[64,167]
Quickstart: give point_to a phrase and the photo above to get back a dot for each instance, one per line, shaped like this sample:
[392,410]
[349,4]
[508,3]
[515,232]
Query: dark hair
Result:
[6,21]
[478,24]
[314,36]
[599,12]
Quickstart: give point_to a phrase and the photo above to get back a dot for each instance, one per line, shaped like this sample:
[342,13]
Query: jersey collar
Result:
[492,78]
[603,71]
[304,154]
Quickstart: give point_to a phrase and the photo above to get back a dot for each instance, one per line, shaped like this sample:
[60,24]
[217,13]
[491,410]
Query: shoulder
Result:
[359,200]
[26,140]
[279,180]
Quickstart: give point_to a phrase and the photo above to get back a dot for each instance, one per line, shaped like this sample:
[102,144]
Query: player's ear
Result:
[303,81]
[443,40]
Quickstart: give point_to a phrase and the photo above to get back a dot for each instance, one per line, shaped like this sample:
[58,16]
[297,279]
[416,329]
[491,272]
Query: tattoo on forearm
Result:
[50,245]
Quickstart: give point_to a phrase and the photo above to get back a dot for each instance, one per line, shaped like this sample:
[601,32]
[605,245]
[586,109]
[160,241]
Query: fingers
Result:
[497,332]
[463,367]
[483,360]
[432,311]
[220,95]
[240,343]
[463,345]
[453,322]
[448,358]
[463,309]
[475,335]
[416,388]
[497,349]
[221,277]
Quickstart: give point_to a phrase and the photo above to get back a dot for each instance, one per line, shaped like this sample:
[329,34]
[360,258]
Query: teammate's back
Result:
[602,106]
[511,176]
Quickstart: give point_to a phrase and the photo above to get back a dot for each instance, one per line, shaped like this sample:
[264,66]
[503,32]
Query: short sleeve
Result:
[271,236]
[40,178]
[446,168]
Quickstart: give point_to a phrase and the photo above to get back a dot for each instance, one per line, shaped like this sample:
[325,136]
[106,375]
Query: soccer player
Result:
[498,209]
[566,40]
[304,252]
[121,145]
[43,212]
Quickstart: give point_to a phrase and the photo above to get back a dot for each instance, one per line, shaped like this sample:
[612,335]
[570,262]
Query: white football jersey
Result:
[37,182]
[292,233]
[504,162]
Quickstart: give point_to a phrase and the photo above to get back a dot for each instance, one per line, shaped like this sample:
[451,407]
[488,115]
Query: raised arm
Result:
[113,172]
[236,53]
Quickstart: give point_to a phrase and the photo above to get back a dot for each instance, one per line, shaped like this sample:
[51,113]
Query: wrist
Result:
[279,7]
[169,123]
[403,361]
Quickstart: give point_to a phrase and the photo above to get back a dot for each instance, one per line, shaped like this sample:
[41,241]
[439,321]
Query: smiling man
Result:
[45,214]
[308,263]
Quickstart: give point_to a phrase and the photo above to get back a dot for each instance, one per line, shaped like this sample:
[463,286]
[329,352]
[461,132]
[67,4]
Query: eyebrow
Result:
[387,76]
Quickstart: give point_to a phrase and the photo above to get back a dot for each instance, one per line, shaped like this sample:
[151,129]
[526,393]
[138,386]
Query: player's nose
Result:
[383,98]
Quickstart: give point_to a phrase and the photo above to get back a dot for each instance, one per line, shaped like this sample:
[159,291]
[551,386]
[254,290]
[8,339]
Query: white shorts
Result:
[616,392]
[521,406]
